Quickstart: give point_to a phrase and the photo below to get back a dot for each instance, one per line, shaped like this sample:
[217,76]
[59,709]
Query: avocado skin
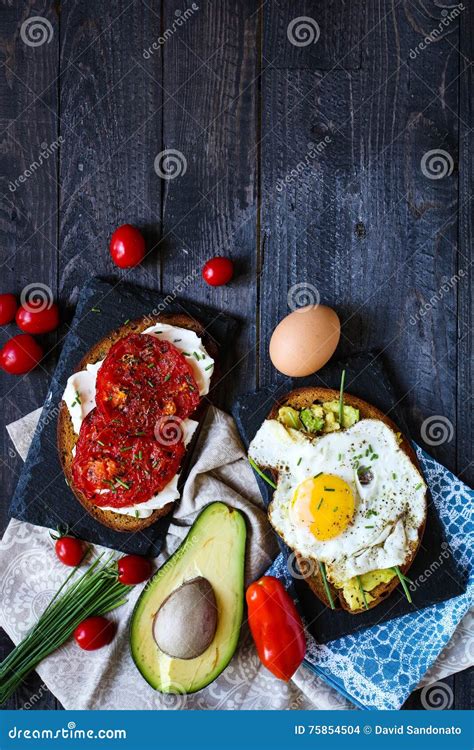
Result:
[215,545]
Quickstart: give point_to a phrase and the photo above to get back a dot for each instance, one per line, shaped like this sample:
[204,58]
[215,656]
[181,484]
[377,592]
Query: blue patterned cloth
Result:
[379,667]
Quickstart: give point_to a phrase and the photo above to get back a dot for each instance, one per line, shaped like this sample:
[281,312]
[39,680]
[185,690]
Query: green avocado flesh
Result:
[214,549]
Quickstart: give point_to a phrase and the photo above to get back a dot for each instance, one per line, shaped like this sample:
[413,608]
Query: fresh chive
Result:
[100,442]
[261,474]
[322,570]
[341,396]
[128,448]
[209,366]
[138,434]
[122,483]
[335,509]
[195,354]
[369,527]
[394,476]
[317,475]
[329,489]
[126,321]
[362,592]
[419,486]
[175,341]
[95,309]
[186,354]
[96,592]
[137,514]
[371,512]
[370,448]
[299,461]
[166,378]
[402,581]
[373,456]
[150,383]
[320,503]
[140,455]
[150,365]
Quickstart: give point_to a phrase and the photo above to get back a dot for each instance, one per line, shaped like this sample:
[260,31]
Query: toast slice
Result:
[300,399]
[67,438]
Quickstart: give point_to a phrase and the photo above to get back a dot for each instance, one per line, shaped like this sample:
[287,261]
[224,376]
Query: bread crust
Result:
[301,398]
[67,438]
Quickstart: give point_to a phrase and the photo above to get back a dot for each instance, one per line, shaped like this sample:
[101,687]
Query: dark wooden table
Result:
[305,162]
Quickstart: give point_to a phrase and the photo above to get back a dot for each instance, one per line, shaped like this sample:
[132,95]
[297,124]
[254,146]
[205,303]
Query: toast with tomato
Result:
[124,416]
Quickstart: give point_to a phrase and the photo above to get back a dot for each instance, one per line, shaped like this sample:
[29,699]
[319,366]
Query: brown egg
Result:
[305,340]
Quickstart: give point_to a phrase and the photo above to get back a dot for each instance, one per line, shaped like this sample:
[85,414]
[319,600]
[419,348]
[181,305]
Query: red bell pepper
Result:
[276,627]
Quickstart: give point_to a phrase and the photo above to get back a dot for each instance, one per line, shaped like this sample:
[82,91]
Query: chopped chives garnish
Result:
[209,367]
[418,486]
[329,489]
[317,475]
[122,483]
[129,448]
[261,474]
[320,503]
[100,442]
[167,377]
[362,592]
[95,309]
[299,461]
[150,383]
[402,580]
[341,396]
[322,570]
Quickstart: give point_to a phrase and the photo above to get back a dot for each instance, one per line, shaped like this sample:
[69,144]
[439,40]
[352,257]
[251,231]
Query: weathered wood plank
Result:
[465,309]
[112,110]
[361,223]
[210,116]
[28,223]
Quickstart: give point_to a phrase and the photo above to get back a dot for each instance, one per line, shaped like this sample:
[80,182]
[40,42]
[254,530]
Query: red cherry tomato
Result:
[38,321]
[69,550]
[7,308]
[127,246]
[218,271]
[133,569]
[94,632]
[20,354]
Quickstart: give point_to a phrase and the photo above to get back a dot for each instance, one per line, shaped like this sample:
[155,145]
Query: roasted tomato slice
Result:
[115,466]
[143,378]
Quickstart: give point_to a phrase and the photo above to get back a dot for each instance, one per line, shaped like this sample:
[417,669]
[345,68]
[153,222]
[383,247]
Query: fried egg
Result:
[351,499]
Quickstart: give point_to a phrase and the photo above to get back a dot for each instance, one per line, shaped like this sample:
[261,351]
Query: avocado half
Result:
[214,549]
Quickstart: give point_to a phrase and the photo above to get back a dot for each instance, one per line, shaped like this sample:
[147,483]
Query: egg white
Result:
[389,511]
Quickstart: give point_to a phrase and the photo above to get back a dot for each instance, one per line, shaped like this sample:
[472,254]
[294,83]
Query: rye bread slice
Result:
[67,438]
[304,397]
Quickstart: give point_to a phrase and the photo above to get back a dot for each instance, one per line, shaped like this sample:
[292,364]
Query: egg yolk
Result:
[324,504]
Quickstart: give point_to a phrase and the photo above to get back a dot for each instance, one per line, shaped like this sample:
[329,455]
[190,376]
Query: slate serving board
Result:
[366,378]
[42,496]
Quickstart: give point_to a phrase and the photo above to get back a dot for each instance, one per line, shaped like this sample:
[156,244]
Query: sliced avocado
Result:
[289,417]
[311,422]
[350,415]
[330,423]
[214,549]
[368,581]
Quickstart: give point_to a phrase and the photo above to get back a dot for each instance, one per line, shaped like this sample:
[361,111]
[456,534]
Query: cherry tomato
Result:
[69,550]
[7,308]
[94,632]
[133,569]
[218,271]
[38,321]
[127,246]
[20,354]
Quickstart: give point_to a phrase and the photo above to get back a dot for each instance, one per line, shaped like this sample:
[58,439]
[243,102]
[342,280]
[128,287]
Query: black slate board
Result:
[366,378]
[42,496]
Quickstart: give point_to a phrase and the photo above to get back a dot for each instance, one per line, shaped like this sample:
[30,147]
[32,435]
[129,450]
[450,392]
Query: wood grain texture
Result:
[210,115]
[354,216]
[28,223]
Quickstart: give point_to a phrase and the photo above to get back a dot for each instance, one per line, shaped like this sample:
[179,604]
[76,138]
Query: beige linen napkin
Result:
[108,679]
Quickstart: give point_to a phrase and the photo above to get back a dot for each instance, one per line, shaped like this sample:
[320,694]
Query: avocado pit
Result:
[186,623]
